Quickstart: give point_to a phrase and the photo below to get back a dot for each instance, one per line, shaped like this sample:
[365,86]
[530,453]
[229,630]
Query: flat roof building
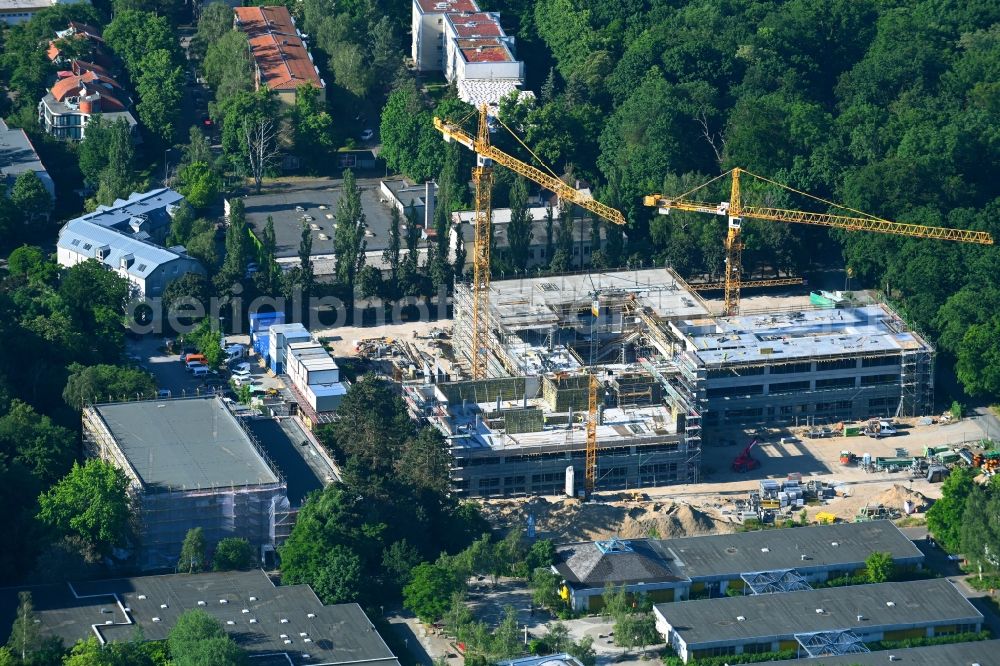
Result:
[699,566]
[970,653]
[283,624]
[282,61]
[18,155]
[192,463]
[811,621]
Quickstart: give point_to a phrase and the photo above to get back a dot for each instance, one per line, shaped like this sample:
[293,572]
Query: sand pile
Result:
[895,497]
[571,520]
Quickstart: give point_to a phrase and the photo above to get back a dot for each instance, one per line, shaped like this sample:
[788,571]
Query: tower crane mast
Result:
[482,175]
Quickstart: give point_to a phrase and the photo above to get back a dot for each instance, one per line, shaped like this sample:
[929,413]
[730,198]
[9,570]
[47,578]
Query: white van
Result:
[200,371]
[234,352]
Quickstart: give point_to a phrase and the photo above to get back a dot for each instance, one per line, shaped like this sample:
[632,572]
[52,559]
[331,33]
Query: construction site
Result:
[669,373]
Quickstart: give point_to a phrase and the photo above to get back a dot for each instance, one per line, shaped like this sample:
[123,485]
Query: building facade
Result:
[125,237]
[13,12]
[191,463]
[77,97]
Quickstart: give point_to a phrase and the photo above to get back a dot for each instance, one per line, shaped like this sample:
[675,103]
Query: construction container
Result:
[852,431]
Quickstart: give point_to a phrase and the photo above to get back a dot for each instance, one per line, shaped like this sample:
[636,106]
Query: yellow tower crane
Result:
[736,211]
[482,175]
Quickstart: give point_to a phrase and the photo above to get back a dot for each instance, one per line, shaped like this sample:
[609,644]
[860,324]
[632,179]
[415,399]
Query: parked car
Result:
[367,135]
[200,371]
[243,367]
[164,393]
[240,380]
[194,365]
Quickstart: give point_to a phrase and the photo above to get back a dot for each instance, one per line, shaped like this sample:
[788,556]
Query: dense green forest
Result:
[890,108]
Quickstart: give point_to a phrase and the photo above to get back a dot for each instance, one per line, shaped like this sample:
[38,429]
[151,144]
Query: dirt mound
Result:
[895,497]
[672,520]
[571,520]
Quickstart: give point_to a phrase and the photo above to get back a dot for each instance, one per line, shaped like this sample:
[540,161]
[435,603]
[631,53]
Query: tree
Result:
[29,194]
[192,551]
[636,630]
[268,279]
[313,127]
[133,34]
[30,263]
[399,560]
[87,384]
[186,290]
[545,589]
[429,592]
[978,366]
[91,502]
[198,639]
[391,253]
[160,84]
[201,183]
[207,338]
[425,462]
[351,70]
[215,21]
[24,635]
[519,229]
[944,518]
[260,136]
[233,553]
[370,282]
[879,567]
[91,653]
[349,242]
[550,233]
[116,179]
[228,71]
[35,443]
[338,579]
[198,148]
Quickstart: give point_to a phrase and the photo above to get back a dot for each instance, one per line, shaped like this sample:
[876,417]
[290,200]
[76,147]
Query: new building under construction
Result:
[191,463]
[779,367]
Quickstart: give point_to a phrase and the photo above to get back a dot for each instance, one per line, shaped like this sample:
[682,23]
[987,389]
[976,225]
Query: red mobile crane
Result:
[745,462]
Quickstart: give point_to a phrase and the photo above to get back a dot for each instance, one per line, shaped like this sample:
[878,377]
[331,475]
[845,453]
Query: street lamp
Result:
[166,165]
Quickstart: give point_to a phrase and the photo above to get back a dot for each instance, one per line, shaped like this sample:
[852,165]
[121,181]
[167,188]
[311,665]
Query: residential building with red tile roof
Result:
[469,47]
[76,97]
[282,61]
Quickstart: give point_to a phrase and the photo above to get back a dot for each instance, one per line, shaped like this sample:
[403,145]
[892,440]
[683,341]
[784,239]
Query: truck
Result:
[878,428]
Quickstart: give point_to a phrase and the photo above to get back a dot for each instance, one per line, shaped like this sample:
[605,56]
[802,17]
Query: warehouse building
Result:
[191,463]
[709,566]
[970,653]
[276,624]
[774,368]
[816,623]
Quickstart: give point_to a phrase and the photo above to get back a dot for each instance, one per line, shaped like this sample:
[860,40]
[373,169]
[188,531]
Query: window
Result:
[878,361]
[873,380]
[87,246]
[788,387]
[789,368]
[840,382]
[76,242]
[839,364]
[141,268]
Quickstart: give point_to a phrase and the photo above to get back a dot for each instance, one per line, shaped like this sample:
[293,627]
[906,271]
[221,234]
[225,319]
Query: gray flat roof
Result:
[786,336]
[953,654]
[185,443]
[741,552]
[280,205]
[769,616]
[340,634]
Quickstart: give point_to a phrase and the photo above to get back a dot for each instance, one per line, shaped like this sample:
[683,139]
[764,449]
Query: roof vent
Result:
[156,619]
[861,618]
[201,603]
[246,610]
[893,657]
[310,615]
[223,601]
[288,641]
[284,620]
[253,598]
[230,622]
[253,620]
[303,634]
[307,640]
[142,596]
[741,618]
[282,635]
[890,604]
[163,606]
[109,622]
[804,557]
[834,543]
[765,549]
[819,611]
